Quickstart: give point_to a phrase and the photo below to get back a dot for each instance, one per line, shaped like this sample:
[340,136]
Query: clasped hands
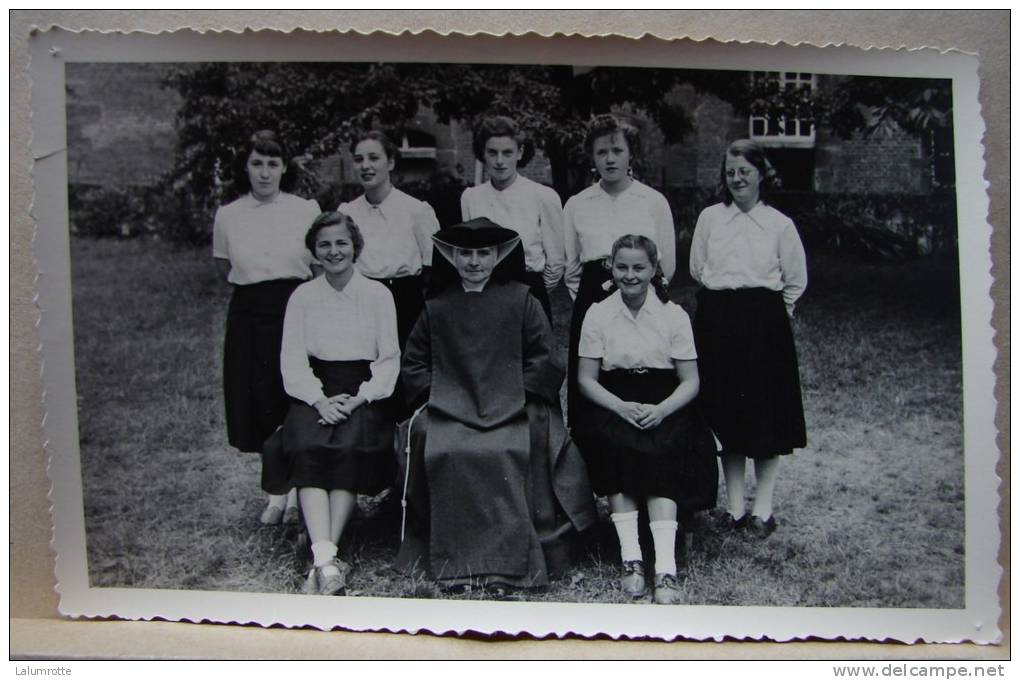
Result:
[338,408]
[641,416]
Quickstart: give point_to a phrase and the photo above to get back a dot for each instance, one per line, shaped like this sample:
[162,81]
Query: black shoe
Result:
[762,528]
[727,523]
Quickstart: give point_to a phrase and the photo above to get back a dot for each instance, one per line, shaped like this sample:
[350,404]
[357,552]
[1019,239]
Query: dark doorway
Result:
[795,167]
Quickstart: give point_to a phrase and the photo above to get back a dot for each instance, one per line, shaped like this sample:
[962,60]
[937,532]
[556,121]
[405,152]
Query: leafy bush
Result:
[442,191]
[107,211]
[876,226]
[881,226]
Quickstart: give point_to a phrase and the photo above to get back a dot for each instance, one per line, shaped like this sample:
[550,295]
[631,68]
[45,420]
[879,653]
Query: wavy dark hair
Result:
[502,126]
[389,148]
[608,124]
[637,242]
[331,219]
[754,153]
[267,143]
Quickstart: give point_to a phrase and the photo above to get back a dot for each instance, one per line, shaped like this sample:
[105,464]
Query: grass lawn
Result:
[871,513]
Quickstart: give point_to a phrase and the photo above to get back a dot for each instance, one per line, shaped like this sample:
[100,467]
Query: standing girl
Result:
[398,229]
[531,209]
[750,262]
[616,205]
[258,248]
[642,439]
[340,362]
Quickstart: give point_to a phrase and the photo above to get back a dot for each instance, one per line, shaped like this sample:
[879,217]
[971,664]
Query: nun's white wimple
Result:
[502,249]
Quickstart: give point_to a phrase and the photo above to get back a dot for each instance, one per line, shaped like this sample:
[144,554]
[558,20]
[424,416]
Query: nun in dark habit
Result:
[494,491]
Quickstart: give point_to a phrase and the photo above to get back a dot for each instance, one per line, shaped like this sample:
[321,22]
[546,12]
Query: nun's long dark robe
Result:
[494,491]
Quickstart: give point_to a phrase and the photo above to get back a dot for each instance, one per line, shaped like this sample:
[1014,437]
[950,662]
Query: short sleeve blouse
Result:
[265,240]
[660,333]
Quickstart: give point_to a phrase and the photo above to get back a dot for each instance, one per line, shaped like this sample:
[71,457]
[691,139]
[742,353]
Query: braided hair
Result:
[637,242]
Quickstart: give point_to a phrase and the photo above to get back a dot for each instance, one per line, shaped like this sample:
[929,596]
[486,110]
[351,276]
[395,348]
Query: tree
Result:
[317,105]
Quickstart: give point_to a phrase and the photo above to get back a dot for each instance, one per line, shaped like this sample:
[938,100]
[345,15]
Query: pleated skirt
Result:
[750,382]
[675,460]
[253,393]
[355,455]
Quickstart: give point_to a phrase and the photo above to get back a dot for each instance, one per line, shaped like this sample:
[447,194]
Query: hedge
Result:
[879,226]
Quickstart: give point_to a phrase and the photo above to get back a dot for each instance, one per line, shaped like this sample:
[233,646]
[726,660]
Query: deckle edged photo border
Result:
[57,53]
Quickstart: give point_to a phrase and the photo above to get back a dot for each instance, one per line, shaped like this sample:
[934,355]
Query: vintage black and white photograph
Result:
[667,338]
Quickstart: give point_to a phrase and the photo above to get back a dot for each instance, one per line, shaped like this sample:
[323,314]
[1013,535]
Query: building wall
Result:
[120,123]
[694,161]
[883,163]
[886,162]
[878,164]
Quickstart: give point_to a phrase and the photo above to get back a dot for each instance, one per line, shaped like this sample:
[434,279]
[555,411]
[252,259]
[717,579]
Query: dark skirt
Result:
[253,393]
[354,455]
[409,300]
[675,460]
[750,384]
[590,291]
[536,284]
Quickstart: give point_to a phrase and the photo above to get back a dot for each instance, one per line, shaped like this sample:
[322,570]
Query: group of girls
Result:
[459,348]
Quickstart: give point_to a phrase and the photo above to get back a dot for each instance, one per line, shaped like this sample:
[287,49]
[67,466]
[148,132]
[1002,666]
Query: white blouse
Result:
[357,323]
[660,333]
[593,220]
[398,234]
[734,249]
[264,240]
[531,209]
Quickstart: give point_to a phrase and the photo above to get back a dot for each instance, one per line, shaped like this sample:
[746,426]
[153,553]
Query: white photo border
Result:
[977,621]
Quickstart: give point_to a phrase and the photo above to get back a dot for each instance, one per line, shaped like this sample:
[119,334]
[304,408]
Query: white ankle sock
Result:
[278,501]
[323,552]
[664,539]
[626,531]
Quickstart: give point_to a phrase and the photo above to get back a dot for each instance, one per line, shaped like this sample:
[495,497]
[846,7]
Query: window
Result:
[782,114]
[417,144]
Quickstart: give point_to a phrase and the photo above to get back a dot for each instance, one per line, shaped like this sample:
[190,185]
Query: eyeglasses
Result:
[743,173]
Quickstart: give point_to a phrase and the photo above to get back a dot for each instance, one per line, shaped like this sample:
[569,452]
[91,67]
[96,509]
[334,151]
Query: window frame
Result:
[783,139]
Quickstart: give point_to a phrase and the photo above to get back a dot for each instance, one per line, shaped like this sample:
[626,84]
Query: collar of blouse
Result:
[756,214]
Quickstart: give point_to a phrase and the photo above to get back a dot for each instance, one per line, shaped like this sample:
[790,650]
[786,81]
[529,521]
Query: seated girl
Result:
[642,438]
[340,361]
[492,492]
